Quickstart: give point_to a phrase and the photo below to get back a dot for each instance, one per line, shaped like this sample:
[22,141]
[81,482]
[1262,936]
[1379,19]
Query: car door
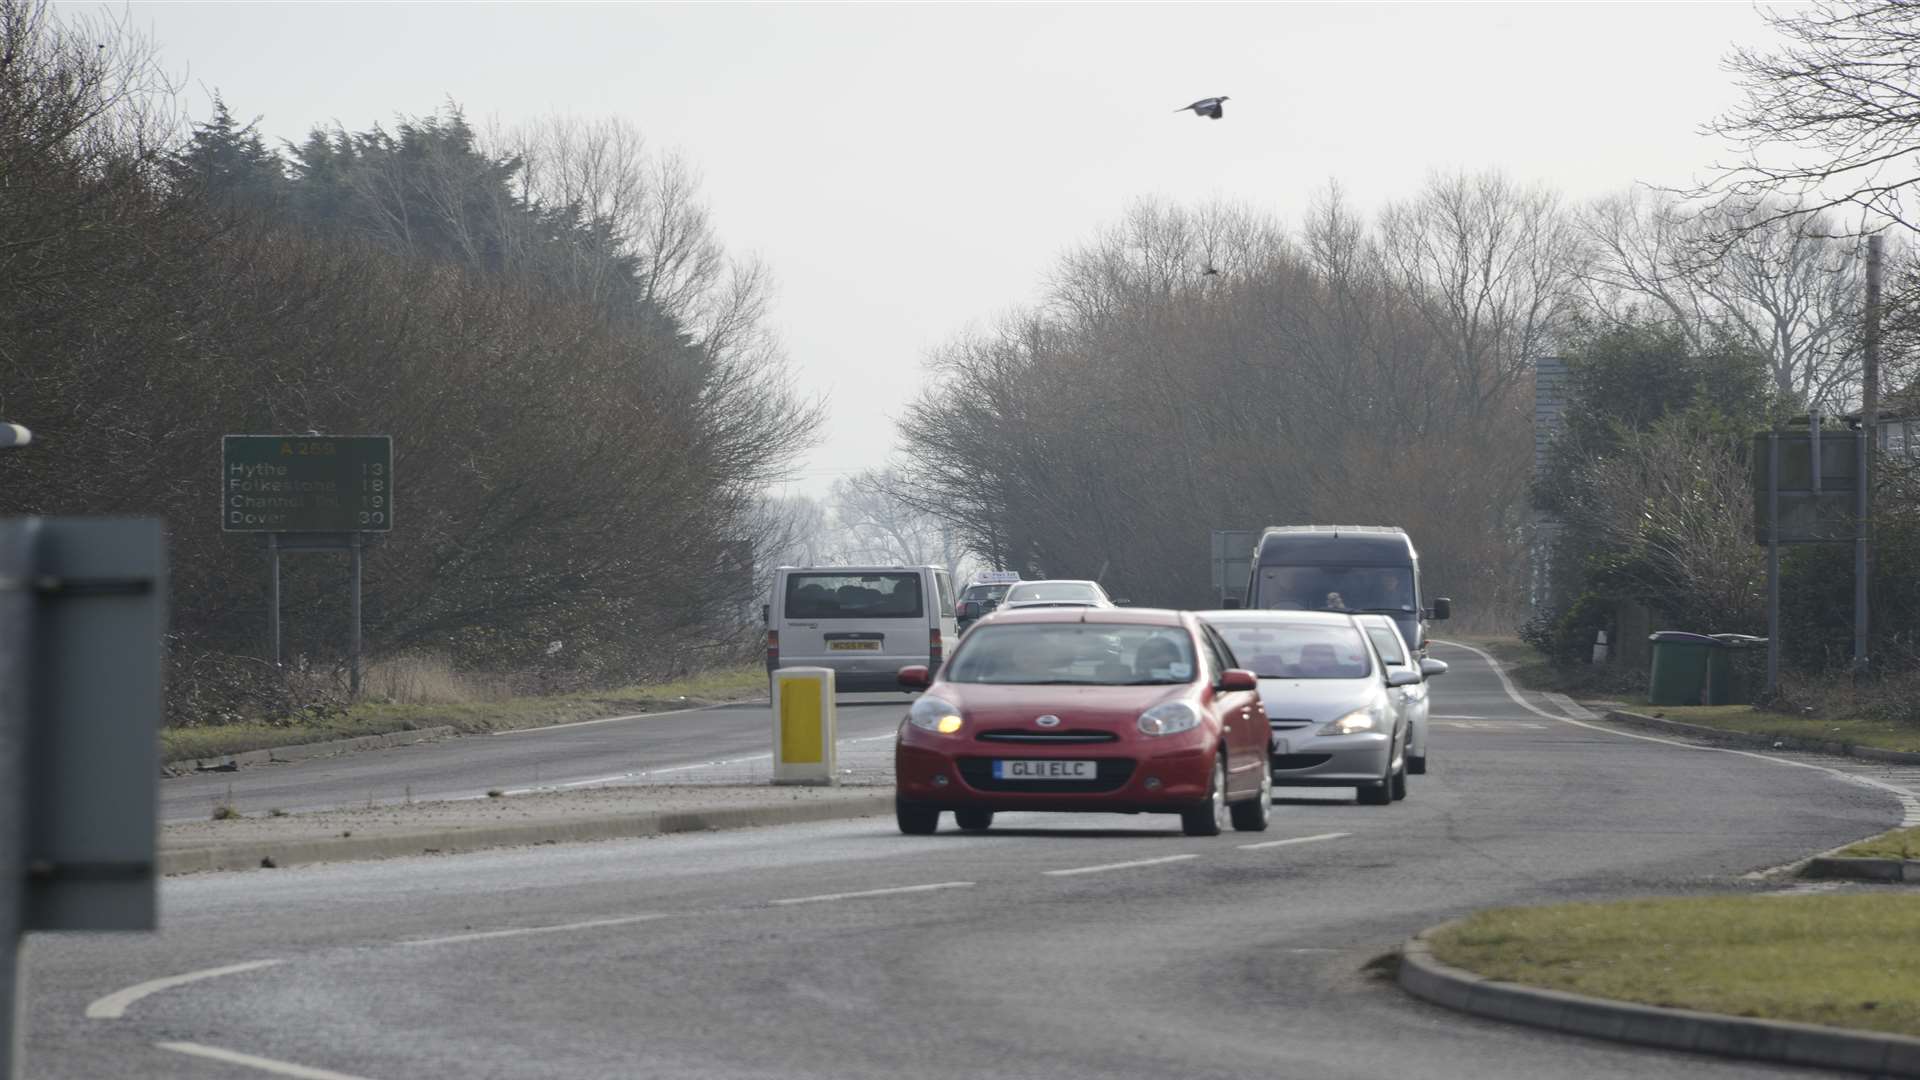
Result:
[1412,699]
[1242,716]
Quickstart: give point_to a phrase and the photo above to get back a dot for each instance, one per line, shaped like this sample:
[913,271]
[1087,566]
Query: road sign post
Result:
[309,492]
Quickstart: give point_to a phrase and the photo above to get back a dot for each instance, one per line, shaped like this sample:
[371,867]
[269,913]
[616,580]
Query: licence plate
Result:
[1045,770]
[854,646]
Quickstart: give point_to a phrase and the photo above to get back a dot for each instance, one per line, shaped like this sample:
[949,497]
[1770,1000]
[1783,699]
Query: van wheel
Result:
[973,820]
[915,820]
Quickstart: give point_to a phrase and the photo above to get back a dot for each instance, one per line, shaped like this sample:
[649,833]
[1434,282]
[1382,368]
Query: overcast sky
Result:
[908,172]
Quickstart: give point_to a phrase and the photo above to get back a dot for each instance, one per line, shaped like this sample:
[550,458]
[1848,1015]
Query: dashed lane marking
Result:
[876,892]
[114,1005]
[1292,840]
[254,1061]
[1120,865]
[523,931]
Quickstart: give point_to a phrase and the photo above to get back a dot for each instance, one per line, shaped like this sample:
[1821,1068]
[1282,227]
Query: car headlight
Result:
[1174,716]
[932,714]
[1355,722]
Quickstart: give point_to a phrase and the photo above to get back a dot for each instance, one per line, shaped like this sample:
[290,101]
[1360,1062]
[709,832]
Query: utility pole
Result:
[1869,432]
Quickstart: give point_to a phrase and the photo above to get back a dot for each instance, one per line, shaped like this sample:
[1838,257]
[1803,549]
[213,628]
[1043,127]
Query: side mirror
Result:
[1230,603]
[1239,679]
[1430,668]
[1121,601]
[969,609]
[915,677]
[1442,608]
[766,614]
[1403,677]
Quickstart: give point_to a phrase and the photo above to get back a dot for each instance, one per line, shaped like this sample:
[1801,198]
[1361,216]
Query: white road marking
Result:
[1909,802]
[251,1061]
[1443,716]
[1293,840]
[522,931]
[1489,725]
[1119,865]
[629,716]
[114,1005]
[875,892]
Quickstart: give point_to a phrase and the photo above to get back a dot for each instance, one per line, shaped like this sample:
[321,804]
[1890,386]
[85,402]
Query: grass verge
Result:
[1857,730]
[1894,844]
[372,718]
[1844,961]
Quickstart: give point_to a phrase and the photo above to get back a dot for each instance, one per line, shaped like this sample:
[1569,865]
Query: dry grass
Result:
[421,679]
[1896,844]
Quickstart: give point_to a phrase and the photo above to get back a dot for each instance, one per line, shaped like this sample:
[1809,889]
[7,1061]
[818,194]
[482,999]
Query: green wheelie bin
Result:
[1688,669]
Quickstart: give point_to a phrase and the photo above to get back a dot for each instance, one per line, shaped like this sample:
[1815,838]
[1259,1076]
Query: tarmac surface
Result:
[1052,946]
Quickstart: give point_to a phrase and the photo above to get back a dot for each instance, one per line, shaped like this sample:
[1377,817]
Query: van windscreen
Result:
[854,596]
[1384,589]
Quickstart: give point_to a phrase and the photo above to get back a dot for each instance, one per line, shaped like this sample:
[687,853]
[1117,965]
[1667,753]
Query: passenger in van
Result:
[1336,602]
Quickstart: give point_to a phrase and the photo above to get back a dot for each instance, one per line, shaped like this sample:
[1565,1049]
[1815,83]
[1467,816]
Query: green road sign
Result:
[306,483]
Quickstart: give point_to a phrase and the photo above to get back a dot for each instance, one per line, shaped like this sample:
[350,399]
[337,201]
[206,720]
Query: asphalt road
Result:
[1051,947]
[643,748]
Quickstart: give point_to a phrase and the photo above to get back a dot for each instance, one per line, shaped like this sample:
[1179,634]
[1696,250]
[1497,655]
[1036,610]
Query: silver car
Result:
[1333,706]
[1394,653]
[1055,592]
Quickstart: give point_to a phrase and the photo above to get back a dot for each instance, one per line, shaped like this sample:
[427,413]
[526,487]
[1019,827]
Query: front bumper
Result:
[1131,777]
[1331,760]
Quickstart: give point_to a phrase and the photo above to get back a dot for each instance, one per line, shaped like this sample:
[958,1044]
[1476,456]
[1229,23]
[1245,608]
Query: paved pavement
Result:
[1050,947]
[726,744]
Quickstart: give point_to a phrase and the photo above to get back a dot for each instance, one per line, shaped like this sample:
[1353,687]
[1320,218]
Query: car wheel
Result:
[1210,817]
[1253,814]
[1417,765]
[1399,784]
[1380,792]
[973,820]
[915,820]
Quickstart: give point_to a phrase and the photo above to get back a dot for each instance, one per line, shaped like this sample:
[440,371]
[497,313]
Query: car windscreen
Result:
[853,596]
[1066,593]
[1388,644]
[1274,651]
[1384,589]
[1092,654]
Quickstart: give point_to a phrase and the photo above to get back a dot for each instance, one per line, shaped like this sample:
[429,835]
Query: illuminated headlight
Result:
[1355,722]
[932,714]
[1174,716]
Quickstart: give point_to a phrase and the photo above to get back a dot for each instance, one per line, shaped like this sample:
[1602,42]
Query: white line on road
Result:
[1445,716]
[1119,865]
[1909,804]
[114,1005]
[1293,840]
[875,892]
[266,1065]
[629,716]
[522,931]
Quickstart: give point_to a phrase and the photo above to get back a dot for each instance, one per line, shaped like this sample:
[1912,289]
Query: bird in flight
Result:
[1210,107]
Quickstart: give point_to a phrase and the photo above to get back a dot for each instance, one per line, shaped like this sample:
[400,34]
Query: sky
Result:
[912,172]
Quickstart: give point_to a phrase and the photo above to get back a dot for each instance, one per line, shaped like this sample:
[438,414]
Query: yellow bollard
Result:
[803,726]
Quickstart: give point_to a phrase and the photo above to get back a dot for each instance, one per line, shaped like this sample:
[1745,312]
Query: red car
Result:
[1085,709]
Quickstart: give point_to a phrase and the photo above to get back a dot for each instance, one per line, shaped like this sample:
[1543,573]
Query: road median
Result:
[1829,981]
[281,840]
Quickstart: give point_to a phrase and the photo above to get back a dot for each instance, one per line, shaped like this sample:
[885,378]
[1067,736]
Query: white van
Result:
[864,622]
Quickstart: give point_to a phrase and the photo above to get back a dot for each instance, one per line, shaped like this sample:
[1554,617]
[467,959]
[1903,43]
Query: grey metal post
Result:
[1869,431]
[1773,562]
[1860,556]
[353,664]
[18,540]
[273,596]
[1813,449]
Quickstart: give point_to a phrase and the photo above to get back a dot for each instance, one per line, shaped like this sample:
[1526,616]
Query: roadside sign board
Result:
[306,483]
[1808,516]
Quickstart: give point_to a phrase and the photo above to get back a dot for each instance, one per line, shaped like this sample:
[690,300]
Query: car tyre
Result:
[1380,792]
[1210,817]
[916,820]
[1253,814]
[1399,784]
[973,820]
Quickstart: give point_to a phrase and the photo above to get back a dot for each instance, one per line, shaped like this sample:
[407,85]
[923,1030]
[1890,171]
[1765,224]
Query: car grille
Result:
[1110,774]
[1283,724]
[1299,761]
[1047,738]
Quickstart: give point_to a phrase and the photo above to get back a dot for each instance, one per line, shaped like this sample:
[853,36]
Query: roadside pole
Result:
[1869,431]
[1773,562]
[17,541]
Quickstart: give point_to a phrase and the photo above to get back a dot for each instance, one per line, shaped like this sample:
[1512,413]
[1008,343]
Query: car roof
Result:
[1279,615]
[1059,581]
[1128,616]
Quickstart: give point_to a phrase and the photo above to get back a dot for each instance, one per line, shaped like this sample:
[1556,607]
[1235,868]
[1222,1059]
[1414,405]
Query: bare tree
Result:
[1829,119]
[1783,284]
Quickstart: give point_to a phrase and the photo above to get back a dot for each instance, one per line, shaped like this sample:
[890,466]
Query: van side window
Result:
[946,592]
